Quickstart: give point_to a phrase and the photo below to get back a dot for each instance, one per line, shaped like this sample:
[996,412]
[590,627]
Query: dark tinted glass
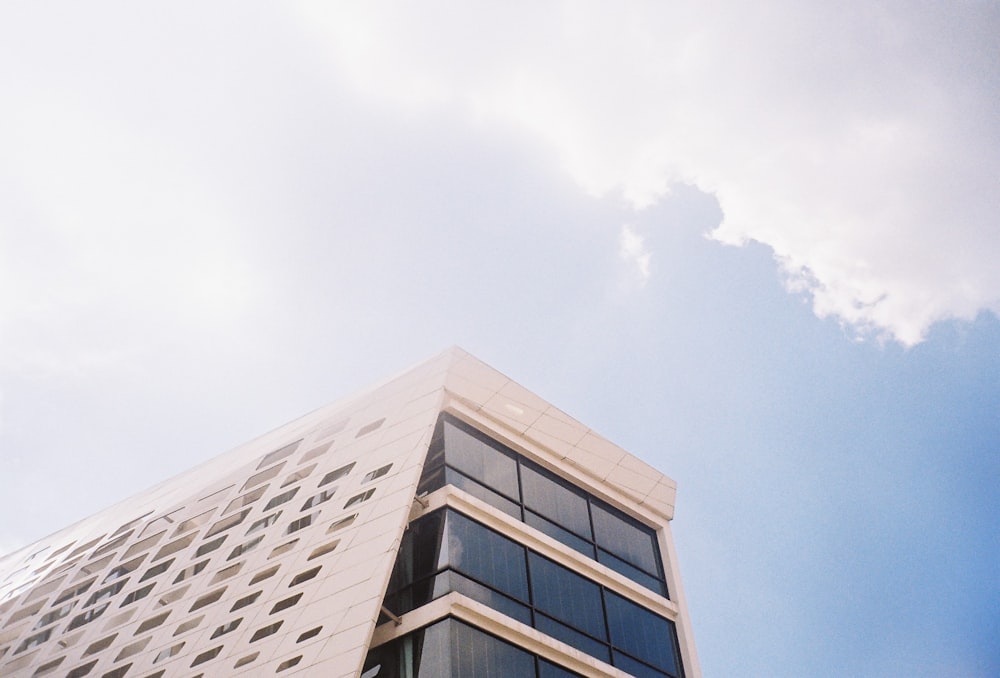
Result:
[475,458]
[555,501]
[559,534]
[449,649]
[453,477]
[475,654]
[567,596]
[485,555]
[571,636]
[625,539]
[632,572]
[641,633]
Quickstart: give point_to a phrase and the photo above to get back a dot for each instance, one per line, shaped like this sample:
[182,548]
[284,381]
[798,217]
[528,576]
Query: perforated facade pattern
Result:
[274,558]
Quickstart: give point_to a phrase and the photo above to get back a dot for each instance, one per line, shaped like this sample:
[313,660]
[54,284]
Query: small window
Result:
[112,545]
[336,475]
[207,599]
[188,625]
[368,428]
[48,667]
[192,523]
[324,549]
[158,674]
[119,619]
[82,670]
[94,567]
[138,594]
[284,548]
[73,592]
[174,546]
[152,622]
[358,498]
[302,523]
[263,523]
[316,499]
[335,427]
[38,639]
[285,604]
[227,523]
[106,592]
[246,499]
[226,628]
[262,477]
[210,546]
[376,474]
[87,617]
[227,572]
[208,655]
[171,651]
[298,475]
[39,591]
[244,601]
[264,574]
[278,454]
[123,569]
[280,499]
[143,545]
[99,645]
[304,576]
[288,663]
[190,571]
[315,452]
[243,661]
[311,633]
[117,673]
[135,648]
[341,524]
[266,631]
[54,615]
[173,596]
[156,570]
[245,547]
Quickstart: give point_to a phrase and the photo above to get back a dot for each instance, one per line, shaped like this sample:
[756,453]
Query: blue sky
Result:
[755,248]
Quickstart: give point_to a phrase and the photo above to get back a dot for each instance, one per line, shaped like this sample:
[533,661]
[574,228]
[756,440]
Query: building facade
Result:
[444,523]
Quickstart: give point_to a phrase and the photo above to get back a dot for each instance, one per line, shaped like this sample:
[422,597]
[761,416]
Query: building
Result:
[446,522]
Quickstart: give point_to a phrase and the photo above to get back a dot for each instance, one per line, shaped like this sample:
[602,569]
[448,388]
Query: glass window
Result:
[475,458]
[278,455]
[641,633]
[485,555]
[553,500]
[566,596]
[622,537]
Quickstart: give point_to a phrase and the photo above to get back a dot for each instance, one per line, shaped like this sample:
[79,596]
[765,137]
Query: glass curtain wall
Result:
[447,551]
[468,459]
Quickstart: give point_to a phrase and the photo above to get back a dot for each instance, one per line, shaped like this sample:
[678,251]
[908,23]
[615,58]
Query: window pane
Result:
[625,539]
[641,633]
[556,532]
[566,595]
[475,654]
[572,637]
[485,555]
[453,477]
[556,502]
[480,461]
[636,668]
[633,573]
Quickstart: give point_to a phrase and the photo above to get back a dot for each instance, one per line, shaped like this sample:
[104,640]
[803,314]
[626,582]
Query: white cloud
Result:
[632,249]
[860,143]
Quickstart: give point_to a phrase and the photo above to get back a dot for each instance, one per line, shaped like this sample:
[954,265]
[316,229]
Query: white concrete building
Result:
[446,522]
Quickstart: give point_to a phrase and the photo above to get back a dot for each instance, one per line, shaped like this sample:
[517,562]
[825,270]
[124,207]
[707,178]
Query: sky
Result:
[753,244]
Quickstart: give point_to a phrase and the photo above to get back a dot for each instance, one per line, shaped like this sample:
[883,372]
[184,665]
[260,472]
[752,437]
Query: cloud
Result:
[632,249]
[862,144]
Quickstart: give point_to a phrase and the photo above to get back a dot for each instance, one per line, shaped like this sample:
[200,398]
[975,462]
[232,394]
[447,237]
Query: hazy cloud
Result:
[632,249]
[859,142]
